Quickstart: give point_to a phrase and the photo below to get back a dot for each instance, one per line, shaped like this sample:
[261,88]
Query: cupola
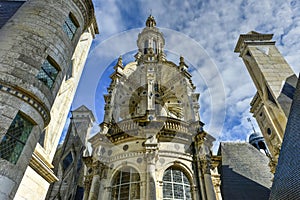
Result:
[150,42]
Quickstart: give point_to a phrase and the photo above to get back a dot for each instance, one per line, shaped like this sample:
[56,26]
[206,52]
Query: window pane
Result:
[69,27]
[177,176]
[114,192]
[176,185]
[178,191]
[15,139]
[50,70]
[185,180]
[135,177]
[135,191]
[187,190]
[116,180]
[167,176]
[124,191]
[126,185]
[67,161]
[167,190]
[125,177]
[67,30]
[47,74]
[42,76]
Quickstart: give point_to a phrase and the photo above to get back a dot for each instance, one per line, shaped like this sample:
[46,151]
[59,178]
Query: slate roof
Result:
[245,173]
[286,181]
[8,9]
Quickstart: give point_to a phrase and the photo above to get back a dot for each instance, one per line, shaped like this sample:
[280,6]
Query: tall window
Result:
[146,46]
[67,161]
[176,185]
[48,72]
[126,185]
[70,26]
[154,46]
[15,139]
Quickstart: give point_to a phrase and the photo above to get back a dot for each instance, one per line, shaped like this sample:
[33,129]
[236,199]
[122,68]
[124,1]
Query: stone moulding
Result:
[121,156]
[44,112]
[88,12]
[42,169]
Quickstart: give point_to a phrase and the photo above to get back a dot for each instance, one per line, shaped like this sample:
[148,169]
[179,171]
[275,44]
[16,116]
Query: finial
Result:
[181,59]
[182,64]
[150,21]
[120,62]
[249,120]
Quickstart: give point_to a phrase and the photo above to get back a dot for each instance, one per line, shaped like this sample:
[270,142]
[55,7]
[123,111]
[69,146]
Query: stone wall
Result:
[33,34]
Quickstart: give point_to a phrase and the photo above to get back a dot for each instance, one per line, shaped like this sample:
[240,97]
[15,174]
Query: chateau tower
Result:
[152,144]
[43,48]
[275,83]
[68,162]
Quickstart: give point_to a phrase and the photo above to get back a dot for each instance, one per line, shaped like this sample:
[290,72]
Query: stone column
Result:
[151,157]
[209,187]
[87,187]
[217,183]
[95,186]
[201,181]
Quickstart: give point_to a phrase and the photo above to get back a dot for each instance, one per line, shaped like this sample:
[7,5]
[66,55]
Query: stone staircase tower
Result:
[43,48]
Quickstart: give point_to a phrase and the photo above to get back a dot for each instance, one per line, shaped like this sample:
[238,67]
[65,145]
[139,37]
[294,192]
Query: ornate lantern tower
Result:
[151,144]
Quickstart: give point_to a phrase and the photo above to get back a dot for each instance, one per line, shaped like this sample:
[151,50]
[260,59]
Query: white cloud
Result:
[213,25]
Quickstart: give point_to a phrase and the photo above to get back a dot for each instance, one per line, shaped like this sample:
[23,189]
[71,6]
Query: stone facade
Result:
[68,162]
[38,45]
[275,83]
[152,144]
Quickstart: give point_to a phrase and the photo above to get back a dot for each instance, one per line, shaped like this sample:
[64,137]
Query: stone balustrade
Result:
[163,125]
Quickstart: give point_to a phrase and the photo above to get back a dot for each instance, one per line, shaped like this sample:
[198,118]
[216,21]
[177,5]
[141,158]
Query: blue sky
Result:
[212,29]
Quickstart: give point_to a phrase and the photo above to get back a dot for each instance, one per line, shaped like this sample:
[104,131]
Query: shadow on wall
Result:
[236,186]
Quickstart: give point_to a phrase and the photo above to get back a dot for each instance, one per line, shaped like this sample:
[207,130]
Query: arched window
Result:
[154,47]
[146,46]
[126,185]
[176,185]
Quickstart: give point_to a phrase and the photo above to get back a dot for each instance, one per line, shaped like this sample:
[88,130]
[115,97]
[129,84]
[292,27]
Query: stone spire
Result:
[118,69]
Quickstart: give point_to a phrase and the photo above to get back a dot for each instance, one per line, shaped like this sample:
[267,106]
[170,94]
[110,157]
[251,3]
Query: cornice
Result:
[38,165]
[28,98]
